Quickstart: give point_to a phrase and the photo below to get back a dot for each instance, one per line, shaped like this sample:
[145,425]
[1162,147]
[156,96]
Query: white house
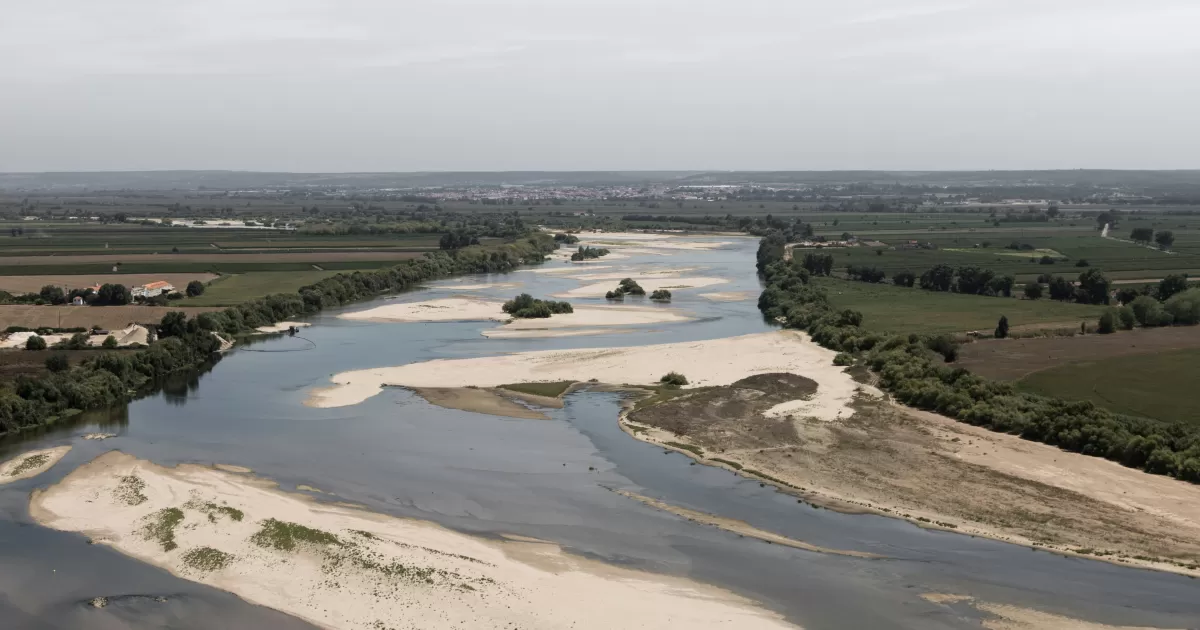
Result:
[154,289]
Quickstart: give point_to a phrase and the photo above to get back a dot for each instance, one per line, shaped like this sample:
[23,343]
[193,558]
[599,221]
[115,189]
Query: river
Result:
[487,475]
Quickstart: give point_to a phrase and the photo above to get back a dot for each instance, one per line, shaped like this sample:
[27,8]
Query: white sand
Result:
[639,272]
[730,296]
[714,362]
[440,310]
[471,309]
[18,339]
[472,287]
[648,282]
[565,270]
[130,335]
[15,470]
[503,332]
[380,571]
[281,327]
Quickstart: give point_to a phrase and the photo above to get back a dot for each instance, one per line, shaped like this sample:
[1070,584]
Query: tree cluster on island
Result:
[626,287]
[566,239]
[588,253]
[660,295]
[525,306]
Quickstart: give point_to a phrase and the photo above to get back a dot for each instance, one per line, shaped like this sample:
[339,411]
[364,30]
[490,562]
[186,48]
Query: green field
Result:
[893,309]
[235,289]
[1157,385]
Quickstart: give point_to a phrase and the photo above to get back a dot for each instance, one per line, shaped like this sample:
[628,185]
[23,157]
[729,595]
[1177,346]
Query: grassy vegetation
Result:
[285,536]
[129,490]
[29,463]
[1154,385]
[892,309]
[207,559]
[161,527]
[235,289]
[213,511]
[550,390]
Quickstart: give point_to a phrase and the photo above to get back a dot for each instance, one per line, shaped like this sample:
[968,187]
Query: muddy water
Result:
[549,479]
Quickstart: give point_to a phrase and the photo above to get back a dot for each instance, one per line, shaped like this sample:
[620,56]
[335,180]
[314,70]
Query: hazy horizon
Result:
[317,86]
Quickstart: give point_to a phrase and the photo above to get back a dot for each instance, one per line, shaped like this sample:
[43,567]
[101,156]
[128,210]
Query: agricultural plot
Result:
[238,288]
[33,284]
[893,309]
[1155,385]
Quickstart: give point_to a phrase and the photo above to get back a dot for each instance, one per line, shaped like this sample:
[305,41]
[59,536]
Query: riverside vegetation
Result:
[913,368]
[112,378]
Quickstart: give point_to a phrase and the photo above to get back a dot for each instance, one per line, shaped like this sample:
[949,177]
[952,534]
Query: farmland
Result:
[235,289]
[893,309]
[1152,385]
[32,284]
[105,317]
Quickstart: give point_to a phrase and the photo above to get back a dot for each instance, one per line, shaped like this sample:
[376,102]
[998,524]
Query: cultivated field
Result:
[32,284]
[1159,385]
[106,317]
[893,309]
[1012,359]
[237,288]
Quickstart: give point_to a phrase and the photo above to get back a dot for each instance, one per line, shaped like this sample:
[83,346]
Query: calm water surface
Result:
[487,475]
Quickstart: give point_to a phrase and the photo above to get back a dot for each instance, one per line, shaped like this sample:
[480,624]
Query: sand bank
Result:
[1006,617]
[472,287]
[730,296]
[31,464]
[340,567]
[281,327]
[440,310]
[503,332]
[477,401]
[648,282]
[712,362]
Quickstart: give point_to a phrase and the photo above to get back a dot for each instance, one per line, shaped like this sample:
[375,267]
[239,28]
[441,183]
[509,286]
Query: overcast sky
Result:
[401,85]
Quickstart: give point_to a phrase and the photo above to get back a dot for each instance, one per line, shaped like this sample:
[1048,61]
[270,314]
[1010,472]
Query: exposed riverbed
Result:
[397,454]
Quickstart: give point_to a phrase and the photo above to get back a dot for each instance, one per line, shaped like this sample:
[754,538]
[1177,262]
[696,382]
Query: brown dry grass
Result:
[938,472]
[33,284]
[1011,359]
[106,317]
[315,257]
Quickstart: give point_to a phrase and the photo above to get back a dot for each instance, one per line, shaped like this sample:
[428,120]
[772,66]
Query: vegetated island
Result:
[341,567]
[525,306]
[625,287]
[588,253]
[31,464]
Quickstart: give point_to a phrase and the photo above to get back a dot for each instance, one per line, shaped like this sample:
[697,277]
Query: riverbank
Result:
[31,464]
[703,363]
[341,567]
[939,474]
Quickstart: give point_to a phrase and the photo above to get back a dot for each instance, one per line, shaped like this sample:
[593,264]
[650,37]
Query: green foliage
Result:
[35,343]
[110,343]
[660,295]
[525,306]
[566,239]
[195,288]
[1184,308]
[1150,312]
[161,527]
[1125,318]
[57,363]
[1108,323]
[1002,328]
[286,536]
[1033,291]
[206,559]
[673,379]
[1164,239]
[588,253]
[625,287]
[1142,235]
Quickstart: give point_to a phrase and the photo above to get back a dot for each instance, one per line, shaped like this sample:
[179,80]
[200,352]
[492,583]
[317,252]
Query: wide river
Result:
[488,475]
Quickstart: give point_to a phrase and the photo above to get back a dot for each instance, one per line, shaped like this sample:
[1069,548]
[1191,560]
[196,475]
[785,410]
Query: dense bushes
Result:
[625,287]
[660,295]
[112,378]
[588,253]
[525,306]
[915,371]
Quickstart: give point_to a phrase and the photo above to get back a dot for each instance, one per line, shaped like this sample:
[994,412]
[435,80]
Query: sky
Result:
[462,85]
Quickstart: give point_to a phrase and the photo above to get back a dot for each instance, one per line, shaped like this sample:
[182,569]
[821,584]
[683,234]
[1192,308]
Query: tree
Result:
[1082,262]
[938,278]
[1093,285]
[110,342]
[661,295]
[195,288]
[673,379]
[53,295]
[1164,239]
[1060,288]
[1149,311]
[173,324]
[1170,285]
[35,343]
[1126,318]
[1185,307]
[1125,295]
[1141,235]
[57,363]
[1108,323]
[1033,291]
[1002,328]
[904,279]
[112,295]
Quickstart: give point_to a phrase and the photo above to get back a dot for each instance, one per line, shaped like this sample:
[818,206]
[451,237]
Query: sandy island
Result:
[282,327]
[712,362]
[588,320]
[340,567]
[31,464]
[648,282]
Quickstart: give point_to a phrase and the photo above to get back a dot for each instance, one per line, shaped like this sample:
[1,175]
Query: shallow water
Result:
[549,479]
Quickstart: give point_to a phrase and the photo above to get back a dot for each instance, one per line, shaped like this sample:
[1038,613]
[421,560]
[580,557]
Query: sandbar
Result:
[471,309]
[282,327]
[648,282]
[439,310]
[341,567]
[711,362]
[31,464]
[730,296]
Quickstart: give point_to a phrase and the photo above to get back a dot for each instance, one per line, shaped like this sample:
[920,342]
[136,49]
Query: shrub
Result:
[1149,311]
[1033,291]
[843,359]
[661,295]
[673,379]
[57,363]
[1125,318]
[1082,262]
[526,307]
[110,342]
[35,343]
[1185,307]
[614,295]
[1108,323]
[1002,328]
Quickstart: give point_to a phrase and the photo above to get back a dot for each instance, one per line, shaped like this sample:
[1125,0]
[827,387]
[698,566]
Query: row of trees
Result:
[968,279]
[913,369]
[1163,238]
[112,378]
